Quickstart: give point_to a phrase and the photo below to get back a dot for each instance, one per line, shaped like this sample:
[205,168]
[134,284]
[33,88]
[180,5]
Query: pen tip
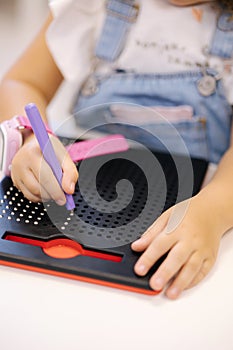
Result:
[30,106]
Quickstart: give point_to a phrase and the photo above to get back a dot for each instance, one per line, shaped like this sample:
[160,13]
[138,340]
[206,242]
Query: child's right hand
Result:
[190,232]
[32,175]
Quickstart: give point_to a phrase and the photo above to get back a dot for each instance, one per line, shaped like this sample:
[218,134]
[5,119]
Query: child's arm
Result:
[193,244]
[35,78]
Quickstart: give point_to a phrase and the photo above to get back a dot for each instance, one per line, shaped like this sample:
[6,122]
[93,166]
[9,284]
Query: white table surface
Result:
[42,312]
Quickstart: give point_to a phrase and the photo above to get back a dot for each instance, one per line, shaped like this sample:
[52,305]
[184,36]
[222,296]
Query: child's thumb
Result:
[70,175]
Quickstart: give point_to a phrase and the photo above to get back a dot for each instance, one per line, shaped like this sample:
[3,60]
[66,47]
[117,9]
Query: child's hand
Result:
[33,176]
[191,238]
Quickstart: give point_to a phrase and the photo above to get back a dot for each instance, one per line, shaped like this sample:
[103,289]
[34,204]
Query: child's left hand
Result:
[189,232]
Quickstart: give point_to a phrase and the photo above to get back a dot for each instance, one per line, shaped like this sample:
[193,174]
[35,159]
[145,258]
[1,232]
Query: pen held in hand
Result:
[48,152]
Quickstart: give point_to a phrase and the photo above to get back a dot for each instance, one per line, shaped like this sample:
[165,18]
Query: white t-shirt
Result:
[165,38]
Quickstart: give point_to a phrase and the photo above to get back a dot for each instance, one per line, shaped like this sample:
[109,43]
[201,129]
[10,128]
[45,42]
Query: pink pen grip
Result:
[92,148]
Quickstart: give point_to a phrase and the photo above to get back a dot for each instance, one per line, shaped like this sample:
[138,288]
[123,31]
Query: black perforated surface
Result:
[109,214]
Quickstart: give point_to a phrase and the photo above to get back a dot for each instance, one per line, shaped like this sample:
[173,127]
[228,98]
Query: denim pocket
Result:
[192,122]
[173,129]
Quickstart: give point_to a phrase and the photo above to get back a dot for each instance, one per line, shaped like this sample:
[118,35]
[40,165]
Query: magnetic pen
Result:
[47,149]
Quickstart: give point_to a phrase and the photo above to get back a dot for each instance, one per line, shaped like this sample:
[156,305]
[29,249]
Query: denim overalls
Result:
[125,102]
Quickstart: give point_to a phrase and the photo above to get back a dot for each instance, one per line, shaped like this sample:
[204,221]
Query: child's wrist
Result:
[28,136]
[216,208]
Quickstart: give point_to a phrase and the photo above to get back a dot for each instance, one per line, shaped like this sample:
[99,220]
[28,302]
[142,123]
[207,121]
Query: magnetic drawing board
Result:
[117,198]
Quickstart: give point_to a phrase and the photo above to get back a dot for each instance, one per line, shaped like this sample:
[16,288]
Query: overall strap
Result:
[121,14]
[222,43]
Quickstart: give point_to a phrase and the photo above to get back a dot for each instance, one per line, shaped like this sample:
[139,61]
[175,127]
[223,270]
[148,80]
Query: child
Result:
[160,40]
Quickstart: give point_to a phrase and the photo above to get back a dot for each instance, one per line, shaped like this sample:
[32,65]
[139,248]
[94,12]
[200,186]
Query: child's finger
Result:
[185,276]
[145,240]
[70,175]
[157,248]
[28,193]
[32,190]
[49,182]
[176,258]
[28,185]
[204,270]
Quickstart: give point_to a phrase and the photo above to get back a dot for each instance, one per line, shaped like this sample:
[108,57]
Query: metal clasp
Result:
[133,16]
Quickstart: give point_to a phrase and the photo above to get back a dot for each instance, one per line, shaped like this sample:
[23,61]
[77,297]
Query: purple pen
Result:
[46,147]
